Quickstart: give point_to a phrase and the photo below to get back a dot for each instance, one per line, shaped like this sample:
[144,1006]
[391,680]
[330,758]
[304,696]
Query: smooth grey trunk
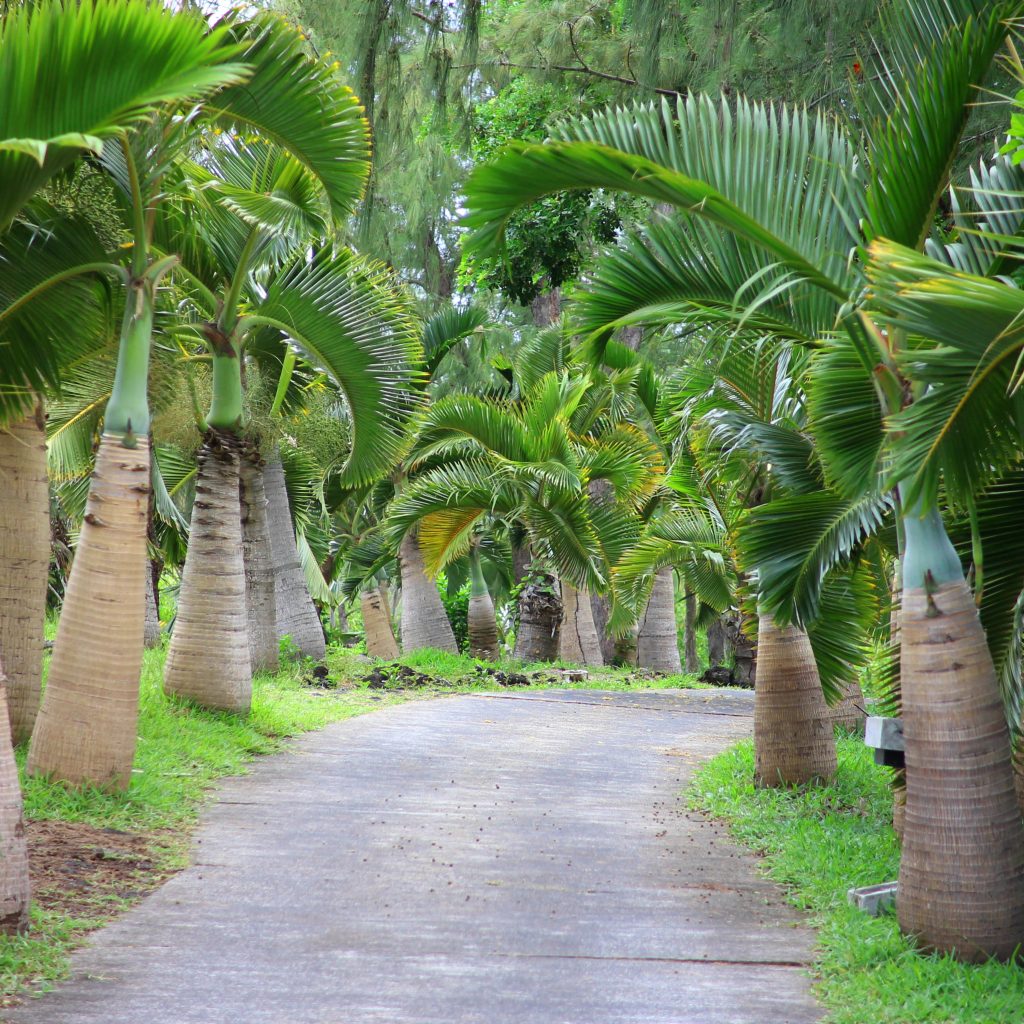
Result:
[690,664]
[260,598]
[424,620]
[152,635]
[297,616]
[578,642]
[717,643]
[744,671]
[657,643]
[547,307]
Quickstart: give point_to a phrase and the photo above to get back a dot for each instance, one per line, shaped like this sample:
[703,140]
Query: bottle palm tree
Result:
[773,203]
[524,461]
[87,723]
[244,232]
[55,109]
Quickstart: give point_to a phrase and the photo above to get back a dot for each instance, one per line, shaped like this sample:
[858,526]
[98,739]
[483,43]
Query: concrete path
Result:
[473,860]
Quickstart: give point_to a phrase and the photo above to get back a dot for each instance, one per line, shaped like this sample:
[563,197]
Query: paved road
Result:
[473,860]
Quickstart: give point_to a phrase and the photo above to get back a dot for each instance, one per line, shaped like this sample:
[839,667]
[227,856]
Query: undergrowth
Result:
[820,842]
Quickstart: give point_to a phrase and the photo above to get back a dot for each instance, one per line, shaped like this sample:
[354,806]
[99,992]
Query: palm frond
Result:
[301,104]
[148,56]
[347,316]
[793,543]
[975,328]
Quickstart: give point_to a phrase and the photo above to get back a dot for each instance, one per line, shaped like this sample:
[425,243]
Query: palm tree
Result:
[774,201]
[55,109]
[525,461]
[86,727]
[248,214]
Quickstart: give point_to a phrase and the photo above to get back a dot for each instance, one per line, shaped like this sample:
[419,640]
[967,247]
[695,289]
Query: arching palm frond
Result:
[796,541]
[149,57]
[970,366]
[57,306]
[299,103]
[919,104]
[348,317]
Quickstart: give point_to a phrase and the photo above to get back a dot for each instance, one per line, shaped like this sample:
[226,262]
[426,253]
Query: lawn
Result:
[819,843]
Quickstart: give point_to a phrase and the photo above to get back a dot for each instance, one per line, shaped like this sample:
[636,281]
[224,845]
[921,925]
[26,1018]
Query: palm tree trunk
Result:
[961,884]
[86,728]
[483,628]
[151,634]
[540,614]
[657,642]
[625,649]
[424,620]
[14,878]
[482,624]
[380,637]
[1018,772]
[793,738]
[260,602]
[578,642]
[208,658]
[717,643]
[691,664]
[848,712]
[296,614]
[24,566]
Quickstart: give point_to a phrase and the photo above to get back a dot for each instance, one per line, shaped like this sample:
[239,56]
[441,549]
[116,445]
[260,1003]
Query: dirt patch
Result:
[87,872]
[396,676]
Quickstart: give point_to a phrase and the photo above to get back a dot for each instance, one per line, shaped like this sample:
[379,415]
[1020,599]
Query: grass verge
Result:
[821,842]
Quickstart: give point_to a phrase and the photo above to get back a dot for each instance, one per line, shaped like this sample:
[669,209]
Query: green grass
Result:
[821,842]
[183,749]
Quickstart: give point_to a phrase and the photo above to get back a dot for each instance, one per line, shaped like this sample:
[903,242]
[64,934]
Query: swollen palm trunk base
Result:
[793,737]
[24,567]
[380,637]
[657,641]
[208,657]
[86,728]
[483,628]
[297,616]
[961,884]
[424,620]
[260,601]
[578,642]
[540,613]
[14,878]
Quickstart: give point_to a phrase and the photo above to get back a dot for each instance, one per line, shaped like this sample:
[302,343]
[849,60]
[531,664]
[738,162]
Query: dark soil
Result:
[83,871]
[396,676]
[722,676]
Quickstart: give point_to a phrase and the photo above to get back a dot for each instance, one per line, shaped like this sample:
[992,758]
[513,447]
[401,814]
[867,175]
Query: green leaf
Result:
[793,543]
[348,317]
[301,104]
[148,55]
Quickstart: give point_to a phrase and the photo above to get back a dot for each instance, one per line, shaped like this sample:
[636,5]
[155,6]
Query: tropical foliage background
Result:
[644,324]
